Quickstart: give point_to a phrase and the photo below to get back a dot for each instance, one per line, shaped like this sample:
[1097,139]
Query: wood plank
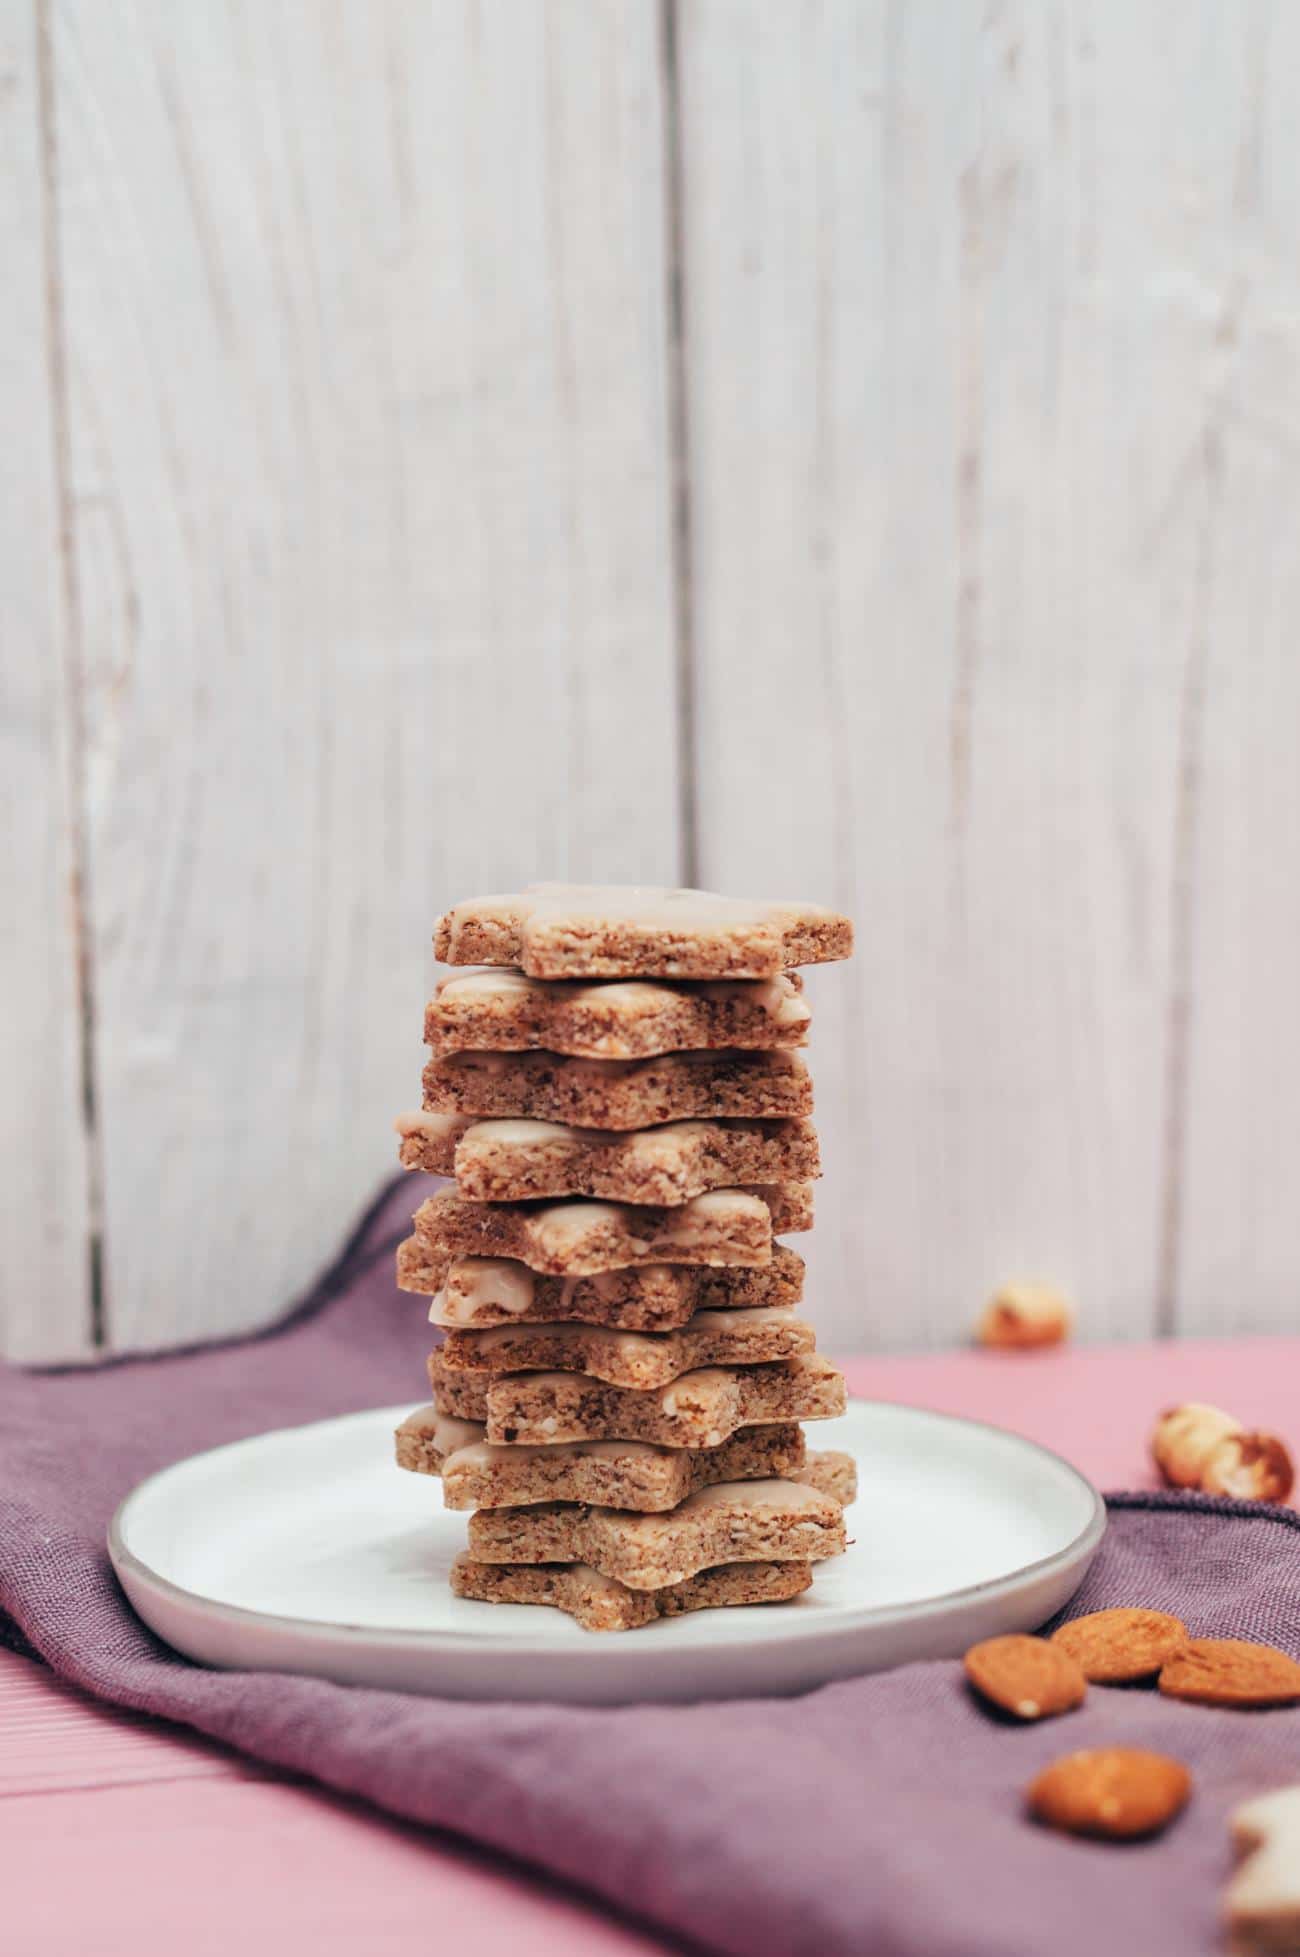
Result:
[366,312]
[1233,1228]
[45,1210]
[297,1869]
[54,1738]
[955,292]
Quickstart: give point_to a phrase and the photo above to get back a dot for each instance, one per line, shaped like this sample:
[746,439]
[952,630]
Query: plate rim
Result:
[603,1651]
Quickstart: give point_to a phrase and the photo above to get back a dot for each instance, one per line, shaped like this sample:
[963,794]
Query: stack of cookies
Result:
[617,1093]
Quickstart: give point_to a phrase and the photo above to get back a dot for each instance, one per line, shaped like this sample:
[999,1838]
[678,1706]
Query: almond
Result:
[1027,1677]
[1113,1647]
[1231,1672]
[1254,1467]
[1116,1792]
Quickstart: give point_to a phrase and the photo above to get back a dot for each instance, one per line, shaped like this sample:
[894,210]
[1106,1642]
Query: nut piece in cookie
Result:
[1231,1672]
[1253,1467]
[1261,1905]
[1023,1315]
[1027,1677]
[1184,1439]
[1114,1647]
[1114,1792]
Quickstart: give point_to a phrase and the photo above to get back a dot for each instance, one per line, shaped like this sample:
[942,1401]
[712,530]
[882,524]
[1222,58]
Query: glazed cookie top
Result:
[644,1359]
[579,1238]
[463,1445]
[512,1159]
[621,1094]
[497,1009]
[555,930]
[699,1409]
[727,1522]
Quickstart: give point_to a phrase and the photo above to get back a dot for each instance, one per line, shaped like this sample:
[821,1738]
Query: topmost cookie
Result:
[560,930]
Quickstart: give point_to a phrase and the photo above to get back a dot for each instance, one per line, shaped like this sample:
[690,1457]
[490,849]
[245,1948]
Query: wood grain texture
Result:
[365,322]
[54,1738]
[962,289]
[153,1809]
[433,423]
[1233,1236]
[45,1194]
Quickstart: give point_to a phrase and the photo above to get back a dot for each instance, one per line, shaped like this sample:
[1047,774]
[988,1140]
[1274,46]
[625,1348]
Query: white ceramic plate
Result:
[307,1550]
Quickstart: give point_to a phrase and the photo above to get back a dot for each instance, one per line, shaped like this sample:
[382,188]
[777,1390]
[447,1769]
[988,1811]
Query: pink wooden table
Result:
[124,1839]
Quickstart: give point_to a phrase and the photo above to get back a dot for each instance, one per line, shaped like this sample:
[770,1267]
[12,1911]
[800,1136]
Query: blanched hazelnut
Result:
[1254,1467]
[1184,1439]
[1025,1314]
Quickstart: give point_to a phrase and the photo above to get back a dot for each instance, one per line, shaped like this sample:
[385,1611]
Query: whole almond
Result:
[1255,1467]
[1114,1647]
[1115,1792]
[1027,1677]
[1231,1672]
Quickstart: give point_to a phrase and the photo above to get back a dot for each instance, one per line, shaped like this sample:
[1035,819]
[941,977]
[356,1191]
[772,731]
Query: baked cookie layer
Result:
[635,1359]
[601,1603]
[620,1094]
[831,1471]
[556,931]
[501,1011]
[580,1238]
[739,1521]
[520,1161]
[700,1409]
[474,1292]
[476,1473]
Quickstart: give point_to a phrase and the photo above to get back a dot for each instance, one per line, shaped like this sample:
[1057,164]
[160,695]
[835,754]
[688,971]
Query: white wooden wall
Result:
[848,450]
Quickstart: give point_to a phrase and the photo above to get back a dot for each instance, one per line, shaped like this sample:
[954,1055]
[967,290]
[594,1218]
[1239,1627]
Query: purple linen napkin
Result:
[878,1815]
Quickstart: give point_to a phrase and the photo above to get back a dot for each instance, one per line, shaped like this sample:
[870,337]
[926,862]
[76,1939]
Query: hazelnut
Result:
[1254,1467]
[1025,1314]
[1184,1439]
